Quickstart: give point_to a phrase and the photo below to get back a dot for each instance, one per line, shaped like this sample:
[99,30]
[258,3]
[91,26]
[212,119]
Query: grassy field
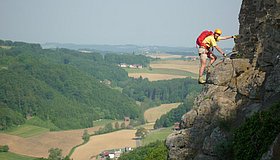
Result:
[26,130]
[102,122]
[159,134]
[13,156]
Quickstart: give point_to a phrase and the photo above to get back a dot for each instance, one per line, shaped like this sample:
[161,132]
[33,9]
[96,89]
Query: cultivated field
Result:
[167,69]
[99,143]
[187,65]
[38,146]
[152,114]
[154,77]
[164,56]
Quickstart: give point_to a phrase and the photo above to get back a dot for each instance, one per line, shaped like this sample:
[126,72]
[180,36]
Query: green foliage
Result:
[60,87]
[26,130]
[253,138]
[36,121]
[154,151]
[127,58]
[4,148]
[102,122]
[224,150]
[86,136]
[8,117]
[117,125]
[165,91]
[13,156]
[106,129]
[55,154]
[122,125]
[141,132]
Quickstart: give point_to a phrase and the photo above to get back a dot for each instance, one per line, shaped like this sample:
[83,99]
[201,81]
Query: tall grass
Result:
[13,156]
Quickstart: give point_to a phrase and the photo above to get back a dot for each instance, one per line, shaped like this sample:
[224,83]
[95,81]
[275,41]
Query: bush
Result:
[86,136]
[4,148]
[154,151]
[253,138]
[224,150]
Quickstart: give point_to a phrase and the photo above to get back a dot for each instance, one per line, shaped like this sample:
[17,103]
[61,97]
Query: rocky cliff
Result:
[236,88]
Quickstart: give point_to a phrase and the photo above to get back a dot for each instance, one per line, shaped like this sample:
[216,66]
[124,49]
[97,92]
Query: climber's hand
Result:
[235,36]
[224,54]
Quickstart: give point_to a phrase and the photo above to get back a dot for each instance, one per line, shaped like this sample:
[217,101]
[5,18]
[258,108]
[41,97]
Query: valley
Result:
[63,97]
[38,145]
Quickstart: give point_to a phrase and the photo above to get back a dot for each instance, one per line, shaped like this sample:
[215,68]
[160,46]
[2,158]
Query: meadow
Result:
[13,156]
[26,130]
[157,135]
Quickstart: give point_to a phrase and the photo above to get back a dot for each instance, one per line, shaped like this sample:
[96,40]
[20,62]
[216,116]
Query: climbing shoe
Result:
[201,80]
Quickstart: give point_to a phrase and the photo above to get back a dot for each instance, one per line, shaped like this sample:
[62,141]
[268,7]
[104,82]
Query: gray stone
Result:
[274,150]
[204,157]
[222,74]
[212,141]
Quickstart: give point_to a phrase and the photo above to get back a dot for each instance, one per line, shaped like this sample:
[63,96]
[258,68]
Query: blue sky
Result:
[140,22]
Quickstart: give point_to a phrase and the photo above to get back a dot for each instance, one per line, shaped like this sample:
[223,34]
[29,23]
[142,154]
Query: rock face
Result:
[236,88]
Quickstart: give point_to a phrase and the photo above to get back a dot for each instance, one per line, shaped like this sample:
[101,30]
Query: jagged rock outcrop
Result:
[236,88]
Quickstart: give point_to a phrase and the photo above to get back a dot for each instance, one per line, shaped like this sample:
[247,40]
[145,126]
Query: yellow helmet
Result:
[218,31]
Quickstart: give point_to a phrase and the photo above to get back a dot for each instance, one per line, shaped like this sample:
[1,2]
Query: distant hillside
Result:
[60,85]
[125,48]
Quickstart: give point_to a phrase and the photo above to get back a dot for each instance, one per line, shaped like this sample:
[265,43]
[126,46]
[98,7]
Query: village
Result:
[116,153]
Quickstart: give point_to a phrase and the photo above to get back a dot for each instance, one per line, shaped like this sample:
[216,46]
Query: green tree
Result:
[108,127]
[141,132]
[86,136]
[55,154]
[4,148]
[153,151]
[117,126]
[123,125]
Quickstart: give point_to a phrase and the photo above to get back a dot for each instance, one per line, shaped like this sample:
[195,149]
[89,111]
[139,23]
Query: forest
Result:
[70,89]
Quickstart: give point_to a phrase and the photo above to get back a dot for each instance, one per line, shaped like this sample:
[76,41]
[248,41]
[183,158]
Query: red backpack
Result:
[202,36]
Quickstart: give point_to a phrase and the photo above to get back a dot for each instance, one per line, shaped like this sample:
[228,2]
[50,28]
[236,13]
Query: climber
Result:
[206,41]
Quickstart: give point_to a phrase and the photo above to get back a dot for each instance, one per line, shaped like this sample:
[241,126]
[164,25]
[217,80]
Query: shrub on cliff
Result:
[254,137]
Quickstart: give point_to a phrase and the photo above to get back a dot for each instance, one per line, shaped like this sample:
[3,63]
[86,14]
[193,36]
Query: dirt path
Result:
[99,143]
